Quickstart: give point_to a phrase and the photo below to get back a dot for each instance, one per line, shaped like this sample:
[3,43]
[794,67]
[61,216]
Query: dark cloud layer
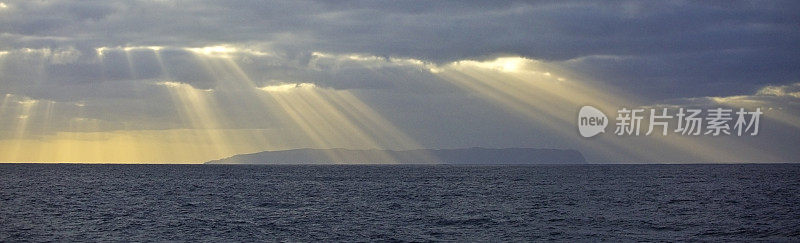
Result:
[684,42]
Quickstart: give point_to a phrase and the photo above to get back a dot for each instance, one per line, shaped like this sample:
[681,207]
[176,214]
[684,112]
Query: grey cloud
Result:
[712,73]
[723,48]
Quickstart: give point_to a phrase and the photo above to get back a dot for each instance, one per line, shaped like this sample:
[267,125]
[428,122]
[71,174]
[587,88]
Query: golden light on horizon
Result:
[313,117]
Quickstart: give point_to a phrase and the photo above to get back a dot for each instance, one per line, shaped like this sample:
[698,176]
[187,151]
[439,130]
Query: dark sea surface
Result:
[70,202]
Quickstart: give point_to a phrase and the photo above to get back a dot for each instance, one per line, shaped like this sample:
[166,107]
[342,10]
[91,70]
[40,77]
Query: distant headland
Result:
[483,156]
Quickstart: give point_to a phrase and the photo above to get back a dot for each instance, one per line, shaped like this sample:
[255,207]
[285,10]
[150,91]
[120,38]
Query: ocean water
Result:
[70,202]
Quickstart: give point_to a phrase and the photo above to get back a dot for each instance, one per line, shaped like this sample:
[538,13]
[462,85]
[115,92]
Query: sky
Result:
[169,81]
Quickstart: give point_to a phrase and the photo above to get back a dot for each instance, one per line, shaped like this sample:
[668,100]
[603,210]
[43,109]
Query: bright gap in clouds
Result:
[286,87]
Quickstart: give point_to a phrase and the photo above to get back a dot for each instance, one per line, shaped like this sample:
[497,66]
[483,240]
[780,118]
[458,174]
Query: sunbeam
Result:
[549,96]
[201,112]
[337,119]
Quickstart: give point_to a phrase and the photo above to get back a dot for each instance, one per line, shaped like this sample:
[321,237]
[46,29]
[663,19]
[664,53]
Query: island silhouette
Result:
[475,155]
